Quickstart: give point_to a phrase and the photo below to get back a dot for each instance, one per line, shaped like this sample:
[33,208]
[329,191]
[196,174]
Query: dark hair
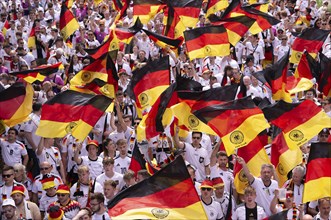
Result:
[311,90]
[99,197]
[13,129]
[36,106]
[7,168]
[144,173]
[197,132]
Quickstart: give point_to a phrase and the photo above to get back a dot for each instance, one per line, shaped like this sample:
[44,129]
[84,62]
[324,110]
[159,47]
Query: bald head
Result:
[307,217]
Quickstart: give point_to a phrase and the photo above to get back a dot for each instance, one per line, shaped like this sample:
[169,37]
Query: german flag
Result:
[160,114]
[324,78]
[310,40]
[98,77]
[318,175]
[207,41]
[68,3]
[299,122]
[32,37]
[153,198]
[149,82]
[255,156]
[263,20]
[174,27]
[236,27]
[146,9]
[68,23]
[111,44]
[38,73]
[125,35]
[163,41]
[214,6]
[71,112]
[121,6]
[137,160]
[263,7]
[234,133]
[192,101]
[6,26]
[16,103]
[307,67]
[276,77]
[282,157]
[295,85]
[187,10]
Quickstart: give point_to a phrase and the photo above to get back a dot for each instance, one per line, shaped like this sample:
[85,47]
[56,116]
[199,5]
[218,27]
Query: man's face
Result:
[266,174]
[11,136]
[108,191]
[310,95]
[325,208]
[323,137]
[222,161]
[95,205]
[92,150]
[45,169]
[297,178]
[9,211]
[63,198]
[51,191]
[8,176]
[249,197]
[108,167]
[206,192]
[122,149]
[18,198]
[196,138]
[84,177]
[219,191]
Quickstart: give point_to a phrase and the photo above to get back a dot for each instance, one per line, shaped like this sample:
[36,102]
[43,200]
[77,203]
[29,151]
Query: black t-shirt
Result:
[251,214]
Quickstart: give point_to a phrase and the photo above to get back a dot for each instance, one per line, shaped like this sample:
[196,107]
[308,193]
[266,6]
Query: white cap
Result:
[7,202]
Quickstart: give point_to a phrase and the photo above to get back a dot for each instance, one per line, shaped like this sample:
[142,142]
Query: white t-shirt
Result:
[199,158]
[85,189]
[12,152]
[118,178]
[104,216]
[31,126]
[37,186]
[265,194]
[227,176]
[122,164]
[213,210]
[45,201]
[53,156]
[95,166]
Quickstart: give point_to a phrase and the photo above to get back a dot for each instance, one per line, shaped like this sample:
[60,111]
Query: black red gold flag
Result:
[174,26]
[237,133]
[71,112]
[318,176]
[295,85]
[214,6]
[38,73]
[146,9]
[110,44]
[187,10]
[6,27]
[125,35]
[310,40]
[307,67]
[147,83]
[16,103]
[282,157]
[32,37]
[207,41]
[324,77]
[68,23]
[137,160]
[299,122]
[154,197]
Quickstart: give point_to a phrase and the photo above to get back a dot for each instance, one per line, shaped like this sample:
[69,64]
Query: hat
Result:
[55,212]
[93,142]
[324,131]
[205,70]
[207,184]
[18,189]
[122,72]
[63,189]
[296,7]
[7,202]
[217,182]
[47,182]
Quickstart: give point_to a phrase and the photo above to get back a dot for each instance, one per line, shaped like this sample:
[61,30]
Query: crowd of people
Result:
[46,178]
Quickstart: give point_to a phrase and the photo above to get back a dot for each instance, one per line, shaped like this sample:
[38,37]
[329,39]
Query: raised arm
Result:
[248,174]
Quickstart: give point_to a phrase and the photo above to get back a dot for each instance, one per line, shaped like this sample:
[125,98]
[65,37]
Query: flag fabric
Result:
[164,42]
[295,85]
[311,40]
[71,112]
[260,6]
[318,176]
[146,9]
[307,67]
[282,157]
[98,77]
[149,82]
[169,193]
[278,216]
[236,27]
[255,156]
[137,160]
[125,35]
[276,77]
[174,26]
[248,121]
[68,23]
[32,37]
[6,26]
[121,6]
[110,44]
[207,41]
[16,103]
[192,101]
[299,122]
[187,10]
[214,6]
[38,73]
[68,3]
[263,21]
[324,77]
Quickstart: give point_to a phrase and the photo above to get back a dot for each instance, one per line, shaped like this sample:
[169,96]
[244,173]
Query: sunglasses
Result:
[44,168]
[196,138]
[208,189]
[118,94]
[61,195]
[136,123]
[324,135]
[7,175]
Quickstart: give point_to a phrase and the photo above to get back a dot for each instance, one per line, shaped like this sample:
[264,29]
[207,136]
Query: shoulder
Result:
[20,144]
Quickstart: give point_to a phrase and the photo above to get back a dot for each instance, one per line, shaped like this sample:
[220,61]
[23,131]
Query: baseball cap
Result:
[63,189]
[207,184]
[217,182]
[8,202]
[18,189]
